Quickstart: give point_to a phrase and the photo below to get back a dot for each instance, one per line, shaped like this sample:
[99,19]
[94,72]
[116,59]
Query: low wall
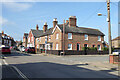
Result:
[75,52]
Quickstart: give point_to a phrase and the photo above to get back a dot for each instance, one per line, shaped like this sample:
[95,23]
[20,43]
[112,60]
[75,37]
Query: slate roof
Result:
[117,38]
[37,33]
[80,30]
[48,32]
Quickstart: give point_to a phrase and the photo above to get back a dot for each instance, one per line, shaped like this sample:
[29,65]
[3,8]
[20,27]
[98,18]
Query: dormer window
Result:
[86,37]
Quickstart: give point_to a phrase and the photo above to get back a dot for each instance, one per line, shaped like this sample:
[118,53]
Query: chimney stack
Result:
[37,27]
[55,22]
[67,21]
[2,32]
[72,21]
[45,27]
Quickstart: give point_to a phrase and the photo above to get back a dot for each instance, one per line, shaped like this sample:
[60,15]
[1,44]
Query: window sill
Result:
[69,39]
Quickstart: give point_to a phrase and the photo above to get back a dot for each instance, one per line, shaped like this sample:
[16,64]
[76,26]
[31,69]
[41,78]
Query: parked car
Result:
[30,50]
[21,48]
[116,52]
[6,50]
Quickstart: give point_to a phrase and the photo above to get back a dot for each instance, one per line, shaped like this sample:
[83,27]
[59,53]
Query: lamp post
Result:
[109,26]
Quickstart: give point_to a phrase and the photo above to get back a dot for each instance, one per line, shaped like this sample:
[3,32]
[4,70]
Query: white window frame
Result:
[99,38]
[57,35]
[29,39]
[69,35]
[70,46]
[85,37]
[57,46]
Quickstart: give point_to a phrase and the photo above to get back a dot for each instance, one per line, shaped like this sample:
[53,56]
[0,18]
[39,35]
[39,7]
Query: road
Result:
[21,65]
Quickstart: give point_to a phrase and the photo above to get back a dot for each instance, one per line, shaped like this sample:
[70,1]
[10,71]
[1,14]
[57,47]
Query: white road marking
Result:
[19,72]
[5,62]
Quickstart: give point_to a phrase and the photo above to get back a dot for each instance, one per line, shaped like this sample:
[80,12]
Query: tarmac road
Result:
[21,65]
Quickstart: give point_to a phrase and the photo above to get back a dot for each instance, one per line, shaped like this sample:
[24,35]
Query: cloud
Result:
[15,6]
[3,20]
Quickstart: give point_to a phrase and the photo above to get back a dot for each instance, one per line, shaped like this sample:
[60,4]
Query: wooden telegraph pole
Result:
[109,27]
[63,37]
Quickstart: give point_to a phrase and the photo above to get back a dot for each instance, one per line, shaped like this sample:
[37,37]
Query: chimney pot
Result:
[2,32]
[67,21]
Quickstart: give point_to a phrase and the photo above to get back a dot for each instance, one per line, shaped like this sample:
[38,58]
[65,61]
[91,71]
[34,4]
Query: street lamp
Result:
[109,26]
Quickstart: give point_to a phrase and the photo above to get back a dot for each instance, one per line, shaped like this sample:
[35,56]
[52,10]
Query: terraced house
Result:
[74,37]
[6,40]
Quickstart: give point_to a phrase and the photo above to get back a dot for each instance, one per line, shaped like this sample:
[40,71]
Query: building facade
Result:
[32,36]
[75,38]
[7,40]
[25,39]
[116,42]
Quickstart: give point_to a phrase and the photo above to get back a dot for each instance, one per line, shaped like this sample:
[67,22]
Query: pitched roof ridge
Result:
[88,28]
[117,38]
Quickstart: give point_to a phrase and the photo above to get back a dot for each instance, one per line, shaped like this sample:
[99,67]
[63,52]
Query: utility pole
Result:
[109,27]
[63,37]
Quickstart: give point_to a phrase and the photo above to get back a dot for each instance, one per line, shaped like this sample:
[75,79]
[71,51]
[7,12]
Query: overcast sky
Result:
[20,17]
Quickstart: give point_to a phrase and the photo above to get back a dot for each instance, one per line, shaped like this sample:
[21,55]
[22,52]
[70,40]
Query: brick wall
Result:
[79,38]
[30,35]
[75,52]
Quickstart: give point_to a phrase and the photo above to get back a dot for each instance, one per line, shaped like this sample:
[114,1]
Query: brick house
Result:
[7,40]
[116,42]
[32,36]
[25,39]
[74,39]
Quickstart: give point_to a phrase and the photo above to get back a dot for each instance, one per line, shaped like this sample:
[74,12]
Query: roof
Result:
[26,35]
[37,33]
[117,38]
[48,32]
[81,30]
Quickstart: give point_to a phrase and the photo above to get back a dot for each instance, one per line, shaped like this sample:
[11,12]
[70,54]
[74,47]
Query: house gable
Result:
[55,29]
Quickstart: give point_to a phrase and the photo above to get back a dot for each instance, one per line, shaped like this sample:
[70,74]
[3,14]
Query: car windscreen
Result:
[5,47]
[31,47]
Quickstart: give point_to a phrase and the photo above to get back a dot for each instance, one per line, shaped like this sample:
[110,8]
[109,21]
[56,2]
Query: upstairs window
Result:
[86,37]
[99,38]
[57,35]
[69,46]
[69,35]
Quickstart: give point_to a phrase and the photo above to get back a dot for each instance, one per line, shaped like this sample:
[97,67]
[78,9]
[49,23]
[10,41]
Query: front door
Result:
[78,46]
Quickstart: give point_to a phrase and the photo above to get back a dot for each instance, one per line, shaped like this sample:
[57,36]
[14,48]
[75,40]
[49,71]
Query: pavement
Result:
[22,65]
